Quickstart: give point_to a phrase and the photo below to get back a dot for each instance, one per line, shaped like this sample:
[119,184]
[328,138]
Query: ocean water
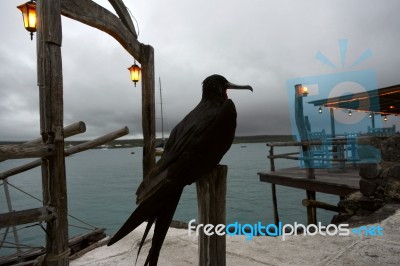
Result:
[102,185]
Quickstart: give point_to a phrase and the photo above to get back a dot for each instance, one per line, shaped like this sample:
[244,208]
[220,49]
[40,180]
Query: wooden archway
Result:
[50,83]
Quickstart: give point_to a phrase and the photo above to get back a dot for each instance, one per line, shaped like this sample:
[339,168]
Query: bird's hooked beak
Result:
[231,86]
[235,87]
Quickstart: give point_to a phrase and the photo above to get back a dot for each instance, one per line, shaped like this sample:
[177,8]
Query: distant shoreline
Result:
[126,143]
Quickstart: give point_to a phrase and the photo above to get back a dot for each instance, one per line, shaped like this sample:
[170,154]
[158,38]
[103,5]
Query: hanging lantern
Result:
[350,113]
[29,16]
[301,90]
[320,110]
[385,118]
[134,70]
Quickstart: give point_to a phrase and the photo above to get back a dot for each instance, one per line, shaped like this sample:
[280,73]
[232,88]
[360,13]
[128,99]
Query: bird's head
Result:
[215,86]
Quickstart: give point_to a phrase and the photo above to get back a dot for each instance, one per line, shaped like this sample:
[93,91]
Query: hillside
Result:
[139,142]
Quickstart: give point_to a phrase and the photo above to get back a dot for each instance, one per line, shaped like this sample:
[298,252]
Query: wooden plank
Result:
[340,184]
[22,258]
[362,140]
[69,151]
[18,151]
[321,205]
[211,201]
[79,245]
[41,214]
[97,142]
[71,130]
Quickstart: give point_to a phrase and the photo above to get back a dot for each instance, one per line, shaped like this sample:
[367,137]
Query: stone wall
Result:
[379,184]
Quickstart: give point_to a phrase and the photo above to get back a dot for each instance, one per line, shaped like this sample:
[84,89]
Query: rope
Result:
[81,227]
[14,245]
[69,215]
[85,223]
[26,193]
[47,256]
[137,24]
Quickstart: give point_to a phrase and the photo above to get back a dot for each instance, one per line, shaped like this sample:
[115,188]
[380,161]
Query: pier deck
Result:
[332,182]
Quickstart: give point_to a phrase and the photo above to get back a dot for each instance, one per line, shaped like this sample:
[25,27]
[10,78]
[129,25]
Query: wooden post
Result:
[273,187]
[275,204]
[148,109]
[301,127]
[332,116]
[311,210]
[50,82]
[211,201]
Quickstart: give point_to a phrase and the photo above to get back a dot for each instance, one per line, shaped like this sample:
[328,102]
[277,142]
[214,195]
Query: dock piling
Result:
[211,201]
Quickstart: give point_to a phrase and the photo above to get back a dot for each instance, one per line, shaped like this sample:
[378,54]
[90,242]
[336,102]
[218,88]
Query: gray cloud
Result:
[260,43]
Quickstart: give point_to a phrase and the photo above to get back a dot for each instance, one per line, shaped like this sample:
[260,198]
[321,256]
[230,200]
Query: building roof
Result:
[383,101]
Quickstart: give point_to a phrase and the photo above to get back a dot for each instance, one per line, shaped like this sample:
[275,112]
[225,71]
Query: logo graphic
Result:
[282,230]
[332,108]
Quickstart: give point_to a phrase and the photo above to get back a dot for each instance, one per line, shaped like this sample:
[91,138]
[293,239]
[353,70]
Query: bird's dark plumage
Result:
[194,147]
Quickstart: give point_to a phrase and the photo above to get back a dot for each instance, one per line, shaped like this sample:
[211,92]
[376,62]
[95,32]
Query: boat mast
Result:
[162,118]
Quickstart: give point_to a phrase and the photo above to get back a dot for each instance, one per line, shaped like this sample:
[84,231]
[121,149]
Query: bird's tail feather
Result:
[163,221]
[150,222]
[143,212]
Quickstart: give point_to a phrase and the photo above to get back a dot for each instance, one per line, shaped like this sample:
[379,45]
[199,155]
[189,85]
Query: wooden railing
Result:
[335,153]
[32,149]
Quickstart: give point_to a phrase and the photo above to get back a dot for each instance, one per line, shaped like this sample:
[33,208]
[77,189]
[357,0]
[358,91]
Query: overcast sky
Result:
[256,42]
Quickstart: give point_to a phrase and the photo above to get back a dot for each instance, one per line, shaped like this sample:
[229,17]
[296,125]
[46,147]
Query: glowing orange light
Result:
[301,90]
[29,16]
[134,70]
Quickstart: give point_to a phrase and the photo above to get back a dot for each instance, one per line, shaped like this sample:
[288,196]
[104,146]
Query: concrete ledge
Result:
[181,249]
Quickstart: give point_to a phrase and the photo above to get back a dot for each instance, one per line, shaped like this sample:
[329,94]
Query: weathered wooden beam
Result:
[319,204]
[20,169]
[71,130]
[211,201]
[41,214]
[69,151]
[124,15]
[80,243]
[18,151]
[94,15]
[363,140]
[50,82]
[97,142]
[148,110]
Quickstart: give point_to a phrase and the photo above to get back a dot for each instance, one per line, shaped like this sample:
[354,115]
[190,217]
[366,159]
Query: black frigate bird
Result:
[194,147]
